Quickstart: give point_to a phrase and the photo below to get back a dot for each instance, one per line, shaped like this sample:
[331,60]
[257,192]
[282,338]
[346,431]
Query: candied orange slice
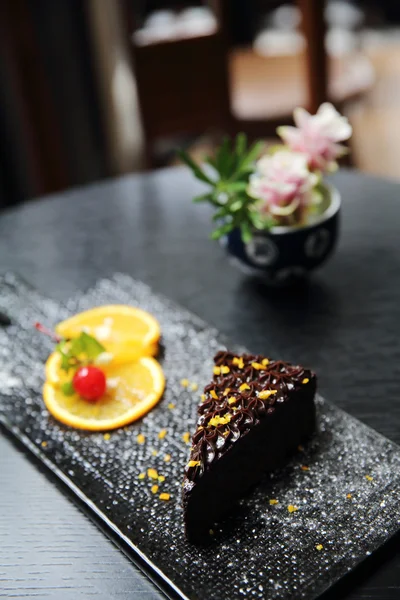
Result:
[133,389]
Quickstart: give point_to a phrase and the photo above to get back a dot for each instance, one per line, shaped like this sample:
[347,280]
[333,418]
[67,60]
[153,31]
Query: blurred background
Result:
[96,88]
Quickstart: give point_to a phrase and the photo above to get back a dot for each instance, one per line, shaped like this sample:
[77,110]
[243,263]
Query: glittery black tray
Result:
[262,551]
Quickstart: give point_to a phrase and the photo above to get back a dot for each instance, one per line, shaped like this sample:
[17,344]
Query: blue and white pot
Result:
[283,254]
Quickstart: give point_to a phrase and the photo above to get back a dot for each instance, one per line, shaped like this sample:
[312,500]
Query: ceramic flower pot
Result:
[283,254]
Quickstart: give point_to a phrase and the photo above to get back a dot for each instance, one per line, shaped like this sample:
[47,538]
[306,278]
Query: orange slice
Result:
[54,374]
[133,389]
[125,331]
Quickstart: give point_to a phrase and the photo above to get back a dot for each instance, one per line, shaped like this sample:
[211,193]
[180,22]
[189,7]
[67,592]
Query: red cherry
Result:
[90,383]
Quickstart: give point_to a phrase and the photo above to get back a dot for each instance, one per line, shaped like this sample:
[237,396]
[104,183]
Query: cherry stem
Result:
[47,332]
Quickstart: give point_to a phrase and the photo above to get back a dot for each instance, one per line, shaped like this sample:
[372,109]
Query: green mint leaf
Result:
[90,346]
[197,171]
[65,363]
[68,389]
[62,349]
[79,350]
[76,349]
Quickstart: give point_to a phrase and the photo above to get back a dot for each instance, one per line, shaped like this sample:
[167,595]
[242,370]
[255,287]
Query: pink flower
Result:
[282,182]
[317,136]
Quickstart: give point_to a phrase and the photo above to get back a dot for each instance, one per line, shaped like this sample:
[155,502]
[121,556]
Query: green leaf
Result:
[78,351]
[203,198]
[220,214]
[210,160]
[90,346]
[62,349]
[197,171]
[224,159]
[235,206]
[221,231]
[68,389]
[240,144]
[247,234]
[237,186]
[251,155]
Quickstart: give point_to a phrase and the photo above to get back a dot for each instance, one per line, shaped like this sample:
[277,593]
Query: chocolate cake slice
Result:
[253,415]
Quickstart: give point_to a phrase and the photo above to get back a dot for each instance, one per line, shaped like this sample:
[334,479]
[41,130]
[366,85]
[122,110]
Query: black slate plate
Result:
[262,551]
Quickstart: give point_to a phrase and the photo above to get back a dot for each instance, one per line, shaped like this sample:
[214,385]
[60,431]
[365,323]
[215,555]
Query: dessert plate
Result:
[345,483]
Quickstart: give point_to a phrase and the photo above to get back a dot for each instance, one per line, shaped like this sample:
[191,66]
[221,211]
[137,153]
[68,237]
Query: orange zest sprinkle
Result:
[291,508]
[369,478]
[232,400]
[162,434]
[257,366]
[349,496]
[152,473]
[265,362]
[217,370]
[140,438]
[161,478]
[154,489]
[141,475]
[184,383]
[167,458]
[273,501]
[319,547]
[213,394]
[238,362]
[244,387]
[171,406]
[217,420]
[154,452]
[203,397]
[193,463]
[186,437]
[265,394]
[225,369]
[106,436]
[226,391]
[304,468]
[305,380]
[164,496]
[44,444]
[194,387]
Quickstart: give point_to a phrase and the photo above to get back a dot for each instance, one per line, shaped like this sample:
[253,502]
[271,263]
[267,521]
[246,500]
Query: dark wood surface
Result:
[345,323]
